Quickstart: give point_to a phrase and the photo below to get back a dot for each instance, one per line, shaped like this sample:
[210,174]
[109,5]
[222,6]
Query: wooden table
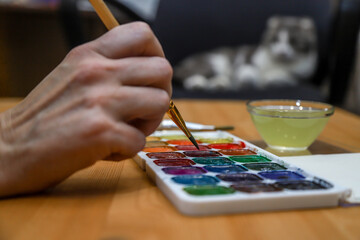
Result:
[113,201]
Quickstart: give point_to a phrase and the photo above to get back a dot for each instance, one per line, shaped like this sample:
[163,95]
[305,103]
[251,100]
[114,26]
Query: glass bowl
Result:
[289,125]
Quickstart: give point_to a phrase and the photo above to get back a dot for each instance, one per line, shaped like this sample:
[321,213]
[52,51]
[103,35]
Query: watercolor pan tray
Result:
[230,175]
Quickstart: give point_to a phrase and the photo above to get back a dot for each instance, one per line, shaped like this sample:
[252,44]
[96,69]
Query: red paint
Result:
[202,154]
[191,147]
[181,142]
[174,162]
[237,152]
[227,145]
[164,155]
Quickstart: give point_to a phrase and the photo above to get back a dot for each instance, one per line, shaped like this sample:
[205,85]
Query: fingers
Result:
[133,56]
[146,126]
[155,72]
[125,141]
[120,139]
[134,71]
[141,107]
[129,103]
[123,74]
[133,39]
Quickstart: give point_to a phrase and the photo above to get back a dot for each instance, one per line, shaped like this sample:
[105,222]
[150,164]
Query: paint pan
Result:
[229,175]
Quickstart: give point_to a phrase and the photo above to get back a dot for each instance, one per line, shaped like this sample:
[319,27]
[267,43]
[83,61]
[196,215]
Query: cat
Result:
[287,54]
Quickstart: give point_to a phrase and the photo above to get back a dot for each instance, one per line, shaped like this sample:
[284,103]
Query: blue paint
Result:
[225,168]
[195,180]
[282,175]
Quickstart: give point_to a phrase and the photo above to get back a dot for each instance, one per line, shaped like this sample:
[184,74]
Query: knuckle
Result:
[90,71]
[77,52]
[143,30]
[164,68]
[142,27]
[85,73]
[97,99]
[98,124]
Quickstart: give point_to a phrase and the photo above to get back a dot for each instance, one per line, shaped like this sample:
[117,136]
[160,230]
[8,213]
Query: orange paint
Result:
[159,149]
[152,138]
[155,144]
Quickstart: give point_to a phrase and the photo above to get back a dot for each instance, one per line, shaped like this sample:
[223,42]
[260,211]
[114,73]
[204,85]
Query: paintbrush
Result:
[110,22]
[168,124]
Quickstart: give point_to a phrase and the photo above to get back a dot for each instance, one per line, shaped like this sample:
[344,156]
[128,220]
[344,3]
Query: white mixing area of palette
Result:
[340,168]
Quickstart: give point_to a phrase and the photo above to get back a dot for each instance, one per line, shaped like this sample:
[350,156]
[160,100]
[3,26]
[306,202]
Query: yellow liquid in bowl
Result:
[289,133]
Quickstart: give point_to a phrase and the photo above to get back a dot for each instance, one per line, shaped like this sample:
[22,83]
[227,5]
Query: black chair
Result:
[189,26]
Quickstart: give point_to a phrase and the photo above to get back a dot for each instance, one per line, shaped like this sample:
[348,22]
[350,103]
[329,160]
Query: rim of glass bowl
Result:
[289,108]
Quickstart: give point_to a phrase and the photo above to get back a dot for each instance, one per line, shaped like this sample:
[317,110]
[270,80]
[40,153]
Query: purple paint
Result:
[174,162]
[184,170]
[255,187]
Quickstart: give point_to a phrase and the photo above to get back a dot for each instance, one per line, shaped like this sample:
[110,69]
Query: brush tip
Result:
[192,139]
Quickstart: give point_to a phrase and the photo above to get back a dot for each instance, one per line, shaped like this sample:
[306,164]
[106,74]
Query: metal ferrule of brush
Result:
[174,115]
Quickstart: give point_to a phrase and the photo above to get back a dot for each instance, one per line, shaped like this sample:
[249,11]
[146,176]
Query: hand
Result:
[99,103]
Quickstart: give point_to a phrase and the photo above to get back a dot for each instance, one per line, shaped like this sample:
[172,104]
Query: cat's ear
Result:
[273,22]
[307,23]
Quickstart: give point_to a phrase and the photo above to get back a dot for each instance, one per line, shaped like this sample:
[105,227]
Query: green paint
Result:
[264,166]
[213,160]
[249,158]
[208,190]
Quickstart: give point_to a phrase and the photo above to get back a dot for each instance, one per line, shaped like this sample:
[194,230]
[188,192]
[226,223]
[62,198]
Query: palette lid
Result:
[337,167]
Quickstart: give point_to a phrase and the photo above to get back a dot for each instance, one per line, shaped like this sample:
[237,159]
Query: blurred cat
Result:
[287,54]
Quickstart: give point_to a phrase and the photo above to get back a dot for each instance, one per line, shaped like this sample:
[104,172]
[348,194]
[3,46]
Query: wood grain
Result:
[116,200]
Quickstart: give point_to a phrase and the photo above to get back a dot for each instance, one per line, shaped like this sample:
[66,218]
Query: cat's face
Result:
[288,37]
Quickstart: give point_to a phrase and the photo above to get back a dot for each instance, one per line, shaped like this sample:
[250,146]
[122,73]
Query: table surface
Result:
[116,200]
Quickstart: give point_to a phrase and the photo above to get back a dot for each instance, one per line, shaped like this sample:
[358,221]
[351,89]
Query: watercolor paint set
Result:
[229,175]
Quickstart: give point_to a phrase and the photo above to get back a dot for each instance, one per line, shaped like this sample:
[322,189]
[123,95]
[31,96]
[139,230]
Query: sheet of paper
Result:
[342,169]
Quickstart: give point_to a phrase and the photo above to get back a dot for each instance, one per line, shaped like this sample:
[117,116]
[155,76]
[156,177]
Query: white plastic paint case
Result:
[238,201]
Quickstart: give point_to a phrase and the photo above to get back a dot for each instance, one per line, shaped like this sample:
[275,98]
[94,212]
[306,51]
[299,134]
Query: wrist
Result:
[3,175]
[6,182]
